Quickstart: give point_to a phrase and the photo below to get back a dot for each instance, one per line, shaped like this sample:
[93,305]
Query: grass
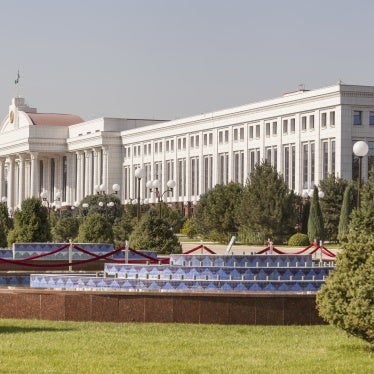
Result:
[29,346]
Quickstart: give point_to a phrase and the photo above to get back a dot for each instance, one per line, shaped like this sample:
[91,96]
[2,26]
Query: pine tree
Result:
[154,234]
[346,300]
[31,223]
[331,203]
[268,206]
[349,203]
[315,221]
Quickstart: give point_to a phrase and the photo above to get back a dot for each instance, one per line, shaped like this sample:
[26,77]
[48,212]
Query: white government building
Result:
[306,135]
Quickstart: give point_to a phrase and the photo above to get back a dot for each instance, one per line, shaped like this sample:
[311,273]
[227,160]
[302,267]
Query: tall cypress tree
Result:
[315,221]
[349,203]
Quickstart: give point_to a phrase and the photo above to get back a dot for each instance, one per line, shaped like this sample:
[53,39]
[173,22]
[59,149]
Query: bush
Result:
[298,240]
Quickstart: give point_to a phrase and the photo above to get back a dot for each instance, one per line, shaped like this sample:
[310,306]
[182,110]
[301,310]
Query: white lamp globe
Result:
[360,148]
[156,184]
[140,173]
[149,184]
[116,187]
[171,184]
[321,194]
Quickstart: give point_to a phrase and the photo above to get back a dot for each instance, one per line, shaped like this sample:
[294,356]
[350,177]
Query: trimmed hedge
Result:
[298,240]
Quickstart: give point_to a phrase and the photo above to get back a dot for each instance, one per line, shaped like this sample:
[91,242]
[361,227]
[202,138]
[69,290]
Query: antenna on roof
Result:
[16,82]
[301,87]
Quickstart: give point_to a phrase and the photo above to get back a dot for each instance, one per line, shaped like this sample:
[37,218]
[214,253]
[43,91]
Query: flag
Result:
[17,80]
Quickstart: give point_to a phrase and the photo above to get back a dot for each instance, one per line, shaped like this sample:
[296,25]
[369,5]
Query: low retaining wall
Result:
[249,309]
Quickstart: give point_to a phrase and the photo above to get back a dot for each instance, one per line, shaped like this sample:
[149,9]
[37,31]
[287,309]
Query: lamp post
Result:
[47,204]
[155,186]
[139,174]
[360,149]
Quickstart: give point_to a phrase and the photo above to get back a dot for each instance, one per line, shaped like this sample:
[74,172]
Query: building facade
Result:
[305,135]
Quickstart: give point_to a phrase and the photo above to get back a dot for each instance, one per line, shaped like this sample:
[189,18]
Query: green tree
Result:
[349,203]
[189,229]
[216,213]
[347,298]
[268,206]
[66,228]
[315,221]
[6,224]
[305,215]
[108,206]
[122,229]
[331,204]
[95,229]
[31,223]
[155,234]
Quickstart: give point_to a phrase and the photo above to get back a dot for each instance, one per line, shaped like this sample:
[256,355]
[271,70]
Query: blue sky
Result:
[174,58]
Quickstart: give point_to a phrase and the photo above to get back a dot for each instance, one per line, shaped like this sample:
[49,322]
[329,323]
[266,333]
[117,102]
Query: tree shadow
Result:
[25,329]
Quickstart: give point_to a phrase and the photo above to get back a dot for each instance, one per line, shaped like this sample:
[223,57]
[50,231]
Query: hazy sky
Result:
[174,58]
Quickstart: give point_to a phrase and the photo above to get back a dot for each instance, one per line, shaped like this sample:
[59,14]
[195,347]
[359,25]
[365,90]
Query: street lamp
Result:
[360,149]
[139,174]
[100,188]
[155,186]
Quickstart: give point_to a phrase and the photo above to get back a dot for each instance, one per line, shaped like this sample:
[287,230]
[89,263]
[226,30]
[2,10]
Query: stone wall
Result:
[250,309]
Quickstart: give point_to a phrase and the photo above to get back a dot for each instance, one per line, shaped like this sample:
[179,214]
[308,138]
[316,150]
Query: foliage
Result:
[247,236]
[100,204]
[189,229]
[6,224]
[315,221]
[305,216]
[122,229]
[95,229]
[31,223]
[66,228]
[349,203]
[154,234]
[331,203]
[171,216]
[347,298]
[268,206]
[216,213]
[298,240]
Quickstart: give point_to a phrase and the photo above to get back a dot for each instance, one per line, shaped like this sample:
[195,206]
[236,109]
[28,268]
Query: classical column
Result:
[21,179]
[2,177]
[105,167]
[96,179]
[79,176]
[34,171]
[11,182]
[88,172]
[71,182]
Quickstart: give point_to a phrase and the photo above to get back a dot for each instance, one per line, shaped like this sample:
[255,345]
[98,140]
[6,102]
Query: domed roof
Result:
[54,119]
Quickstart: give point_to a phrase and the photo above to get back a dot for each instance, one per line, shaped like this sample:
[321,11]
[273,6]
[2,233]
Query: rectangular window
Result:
[205,139]
[167,146]
[267,125]
[192,140]
[292,124]
[181,181]
[332,119]
[303,123]
[235,135]
[210,139]
[333,156]
[325,159]
[268,155]
[197,141]
[220,137]
[311,122]
[312,163]
[257,131]
[149,148]
[250,132]
[293,167]
[305,166]
[275,157]
[241,135]
[145,149]
[357,117]
[371,119]
[184,143]
[160,147]
[223,163]
[275,128]
[285,126]
[208,173]
[286,163]
[156,147]
[226,136]
[323,119]
[239,167]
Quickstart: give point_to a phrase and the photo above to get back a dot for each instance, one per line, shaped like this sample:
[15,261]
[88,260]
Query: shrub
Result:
[298,240]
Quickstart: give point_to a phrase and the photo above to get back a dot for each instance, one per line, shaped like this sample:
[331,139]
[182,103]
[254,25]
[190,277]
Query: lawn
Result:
[29,346]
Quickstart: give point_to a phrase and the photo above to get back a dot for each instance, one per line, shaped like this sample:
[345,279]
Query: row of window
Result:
[358,118]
